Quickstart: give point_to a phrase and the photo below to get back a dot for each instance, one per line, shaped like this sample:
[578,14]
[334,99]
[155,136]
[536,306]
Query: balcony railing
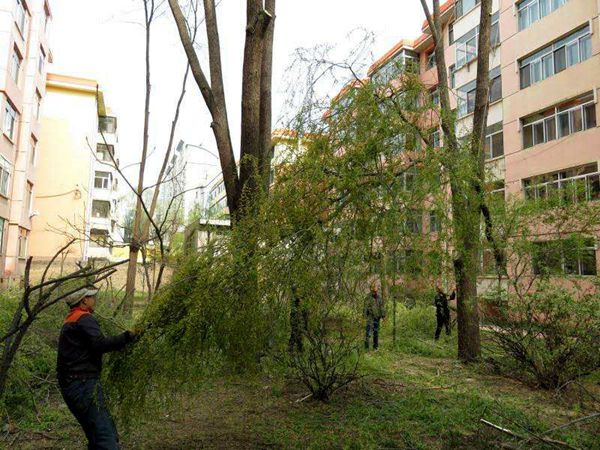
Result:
[568,190]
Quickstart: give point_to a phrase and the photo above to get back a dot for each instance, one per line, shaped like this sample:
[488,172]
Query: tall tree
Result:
[468,203]
[241,189]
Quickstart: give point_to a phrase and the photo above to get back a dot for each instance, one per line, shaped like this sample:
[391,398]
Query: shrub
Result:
[328,362]
[550,335]
[33,371]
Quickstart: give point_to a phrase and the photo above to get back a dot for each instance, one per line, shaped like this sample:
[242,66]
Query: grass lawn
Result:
[413,396]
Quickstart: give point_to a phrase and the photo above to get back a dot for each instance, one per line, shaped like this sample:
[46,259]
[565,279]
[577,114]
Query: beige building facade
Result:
[76,191]
[24,55]
[543,132]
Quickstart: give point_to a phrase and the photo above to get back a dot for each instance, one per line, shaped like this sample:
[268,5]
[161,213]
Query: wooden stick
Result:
[526,439]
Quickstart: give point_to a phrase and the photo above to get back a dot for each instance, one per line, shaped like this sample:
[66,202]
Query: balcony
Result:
[580,188]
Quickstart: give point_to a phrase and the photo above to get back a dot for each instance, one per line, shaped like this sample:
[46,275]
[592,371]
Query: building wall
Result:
[518,163]
[64,170]
[30,41]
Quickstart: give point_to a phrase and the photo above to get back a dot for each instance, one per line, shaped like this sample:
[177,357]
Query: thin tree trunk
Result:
[137,234]
[251,145]
[466,198]
[264,160]
[213,96]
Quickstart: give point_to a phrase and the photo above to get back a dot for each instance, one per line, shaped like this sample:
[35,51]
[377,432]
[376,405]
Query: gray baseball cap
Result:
[77,296]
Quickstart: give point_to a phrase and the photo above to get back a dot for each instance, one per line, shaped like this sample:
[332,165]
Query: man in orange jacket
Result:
[80,349]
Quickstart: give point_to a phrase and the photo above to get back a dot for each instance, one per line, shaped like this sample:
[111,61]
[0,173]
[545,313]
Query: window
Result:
[466,98]
[104,152]
[5,172]
[431,60]
[102,180]
[451,33]
[21,16]
[414,222]
[2,227]
[407,179]
[10,121]
[46,19]
[494,141]
[23,242]
[577,184]
[434,222]
[41,61]
[100,209]
[466,45]
[556,57]
[38,105]
[495,31]
[452,76]
[107,125]
[32,151]
[99,238]
[15,67]
[572,256]
[464,6]
[496,191]
[531,11]
[495,85]
[560,121]
[403,60]
[29,199]
[435,139]
[435,97]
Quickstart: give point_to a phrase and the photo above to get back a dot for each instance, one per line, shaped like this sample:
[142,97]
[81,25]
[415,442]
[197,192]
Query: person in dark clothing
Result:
[374,311]
[80,348]
[442,311]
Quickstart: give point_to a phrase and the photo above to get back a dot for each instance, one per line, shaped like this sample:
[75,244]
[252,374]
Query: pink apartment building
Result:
[24,55]
[545,74]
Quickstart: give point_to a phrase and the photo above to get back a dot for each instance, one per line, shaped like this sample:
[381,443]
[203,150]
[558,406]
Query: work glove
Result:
[136,333]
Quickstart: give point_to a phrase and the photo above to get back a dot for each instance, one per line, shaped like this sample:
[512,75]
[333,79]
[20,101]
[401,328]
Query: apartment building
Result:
[76,191]
[543,130]
[191,172]
[24,55]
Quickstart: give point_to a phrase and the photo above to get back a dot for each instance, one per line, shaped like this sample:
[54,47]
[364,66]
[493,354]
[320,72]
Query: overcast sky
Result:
[104,40]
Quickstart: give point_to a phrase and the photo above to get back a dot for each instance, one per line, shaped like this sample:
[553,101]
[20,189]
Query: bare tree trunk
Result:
[467,197]
[213,95]
[256,96]
[251,145]
[264,159]
[137,233]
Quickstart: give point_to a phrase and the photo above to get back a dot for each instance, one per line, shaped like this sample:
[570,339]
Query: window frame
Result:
[527,6]
[41,60]
[493,130]
[10,112]
[528,65]
[3,222]
[23,249]
[97,202]
[21,16]
[562,258]
[5,176]
[561,183]
[104,178]
[557,113]
[16,61]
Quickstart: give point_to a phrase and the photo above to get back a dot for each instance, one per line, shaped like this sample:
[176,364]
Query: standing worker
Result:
[374,311]
[80,349]
[442,311]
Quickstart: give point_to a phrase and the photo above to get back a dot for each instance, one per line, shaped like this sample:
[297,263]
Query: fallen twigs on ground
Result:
[528,439]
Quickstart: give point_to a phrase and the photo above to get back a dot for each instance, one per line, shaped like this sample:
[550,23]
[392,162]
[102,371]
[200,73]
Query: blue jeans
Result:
[85,400]
[372,328]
